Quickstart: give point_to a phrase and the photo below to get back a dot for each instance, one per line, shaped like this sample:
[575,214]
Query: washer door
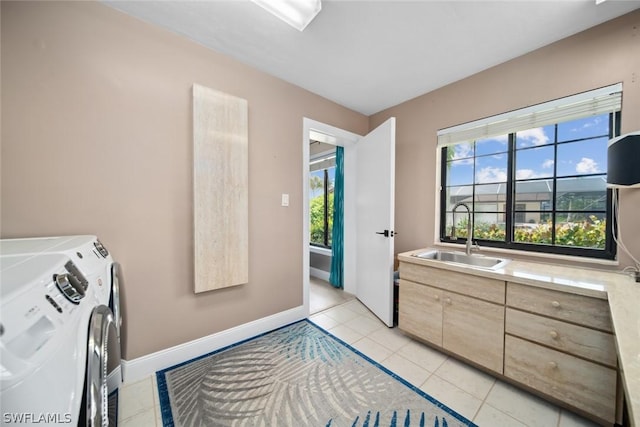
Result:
[103,357]
[114,300]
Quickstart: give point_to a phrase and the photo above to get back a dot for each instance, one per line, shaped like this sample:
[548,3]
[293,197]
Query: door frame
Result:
[339,137]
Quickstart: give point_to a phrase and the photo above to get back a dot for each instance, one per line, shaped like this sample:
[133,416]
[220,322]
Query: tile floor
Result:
[470,392]
[323,296]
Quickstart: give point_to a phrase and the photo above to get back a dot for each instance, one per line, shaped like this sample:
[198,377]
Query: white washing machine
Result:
[59,338]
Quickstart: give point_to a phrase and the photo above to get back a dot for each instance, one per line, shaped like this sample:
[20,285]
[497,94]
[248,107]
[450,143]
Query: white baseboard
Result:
[320,274]
[141,367]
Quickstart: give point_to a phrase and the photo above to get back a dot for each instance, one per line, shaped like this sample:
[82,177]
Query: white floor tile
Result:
[324,321]
[135,398]
[346,334]
[488,416]
[569,419]
[524,407]
[341,314]
[372,349]
[357,307]
[409,371]
[389,338]
[146,418]
[471,380]
[452,396]
[324,296]
[365,325]
[422,355]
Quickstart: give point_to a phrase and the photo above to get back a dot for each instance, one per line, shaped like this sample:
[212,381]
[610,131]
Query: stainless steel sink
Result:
[479,261]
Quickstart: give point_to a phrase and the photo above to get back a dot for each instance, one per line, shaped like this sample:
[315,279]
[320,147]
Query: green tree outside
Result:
[316,214]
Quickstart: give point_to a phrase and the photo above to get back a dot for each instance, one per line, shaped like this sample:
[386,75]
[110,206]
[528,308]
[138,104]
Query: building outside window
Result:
[540,188]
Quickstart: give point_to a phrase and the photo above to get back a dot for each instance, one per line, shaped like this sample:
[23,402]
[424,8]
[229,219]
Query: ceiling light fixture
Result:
[297,13]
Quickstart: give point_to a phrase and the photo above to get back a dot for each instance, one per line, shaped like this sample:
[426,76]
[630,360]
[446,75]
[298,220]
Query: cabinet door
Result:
[474,329]
[420,311]
[580,383]
[579,309]
[584,342]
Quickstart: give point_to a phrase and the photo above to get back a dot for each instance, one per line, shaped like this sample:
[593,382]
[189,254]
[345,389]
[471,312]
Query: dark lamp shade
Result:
[623,161]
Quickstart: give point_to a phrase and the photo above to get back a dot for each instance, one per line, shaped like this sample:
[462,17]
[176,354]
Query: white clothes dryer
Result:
[59,339]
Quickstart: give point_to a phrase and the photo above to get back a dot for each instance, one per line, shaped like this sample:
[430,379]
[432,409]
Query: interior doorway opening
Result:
[368,203]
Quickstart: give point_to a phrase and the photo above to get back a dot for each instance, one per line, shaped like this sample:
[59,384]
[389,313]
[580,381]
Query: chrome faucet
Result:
[469,226]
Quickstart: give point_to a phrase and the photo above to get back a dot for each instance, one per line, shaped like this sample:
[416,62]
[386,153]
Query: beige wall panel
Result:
[220,189]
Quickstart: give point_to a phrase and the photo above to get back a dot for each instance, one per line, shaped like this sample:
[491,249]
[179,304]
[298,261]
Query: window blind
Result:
[599,101]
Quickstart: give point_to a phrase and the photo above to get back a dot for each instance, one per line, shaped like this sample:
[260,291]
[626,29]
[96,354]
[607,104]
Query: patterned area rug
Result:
[298,375]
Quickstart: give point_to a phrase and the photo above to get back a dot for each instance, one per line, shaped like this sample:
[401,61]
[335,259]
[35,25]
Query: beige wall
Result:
[97,139]
[603,55]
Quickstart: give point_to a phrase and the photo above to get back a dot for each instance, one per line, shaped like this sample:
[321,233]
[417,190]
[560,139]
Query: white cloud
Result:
[587,165]
[490,174]
[462,151]
[503,139]
[548,164]
[526,174]
[595,122]
[532,137]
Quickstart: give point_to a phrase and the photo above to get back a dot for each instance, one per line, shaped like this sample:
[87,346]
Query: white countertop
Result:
[619,289]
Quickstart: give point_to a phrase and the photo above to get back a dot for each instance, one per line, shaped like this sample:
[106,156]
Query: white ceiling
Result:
[371,55]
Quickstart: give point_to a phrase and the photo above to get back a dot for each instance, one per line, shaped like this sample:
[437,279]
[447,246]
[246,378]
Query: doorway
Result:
[368,212]
[326,138]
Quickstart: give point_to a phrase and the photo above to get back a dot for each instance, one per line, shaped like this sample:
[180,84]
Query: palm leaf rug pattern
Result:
[298,375]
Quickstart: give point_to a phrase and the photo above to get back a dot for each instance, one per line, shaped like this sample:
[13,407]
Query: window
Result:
[321,180]
[539,188]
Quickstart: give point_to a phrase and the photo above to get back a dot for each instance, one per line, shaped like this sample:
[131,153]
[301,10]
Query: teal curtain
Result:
[337,232]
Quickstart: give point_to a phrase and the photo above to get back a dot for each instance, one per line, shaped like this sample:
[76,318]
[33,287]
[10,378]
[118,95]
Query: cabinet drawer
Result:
[420,311]
[578,340]
[468,284]
[587,311]
[474,329]
[582,384]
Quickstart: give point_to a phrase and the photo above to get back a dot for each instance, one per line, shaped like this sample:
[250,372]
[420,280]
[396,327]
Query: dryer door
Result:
[114,300]
[103,357]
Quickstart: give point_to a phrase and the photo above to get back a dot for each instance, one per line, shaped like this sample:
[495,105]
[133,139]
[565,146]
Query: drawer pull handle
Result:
[556,304]
[448,301]
[553,365]
[437,297]
[554,335]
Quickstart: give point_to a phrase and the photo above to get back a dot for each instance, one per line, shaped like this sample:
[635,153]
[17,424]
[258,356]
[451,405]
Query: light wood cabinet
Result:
[474,286]
[474,329]
[420,311]
[468,326]
[587,311]
[579,340]
[560,344]
[582,384]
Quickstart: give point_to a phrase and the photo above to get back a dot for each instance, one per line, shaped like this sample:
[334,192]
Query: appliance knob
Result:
[101,249]
[70,287]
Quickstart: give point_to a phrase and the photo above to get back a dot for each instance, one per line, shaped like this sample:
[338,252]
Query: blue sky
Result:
[535,153]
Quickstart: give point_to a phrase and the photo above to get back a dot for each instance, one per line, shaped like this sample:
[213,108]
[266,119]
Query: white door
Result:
[375,183]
